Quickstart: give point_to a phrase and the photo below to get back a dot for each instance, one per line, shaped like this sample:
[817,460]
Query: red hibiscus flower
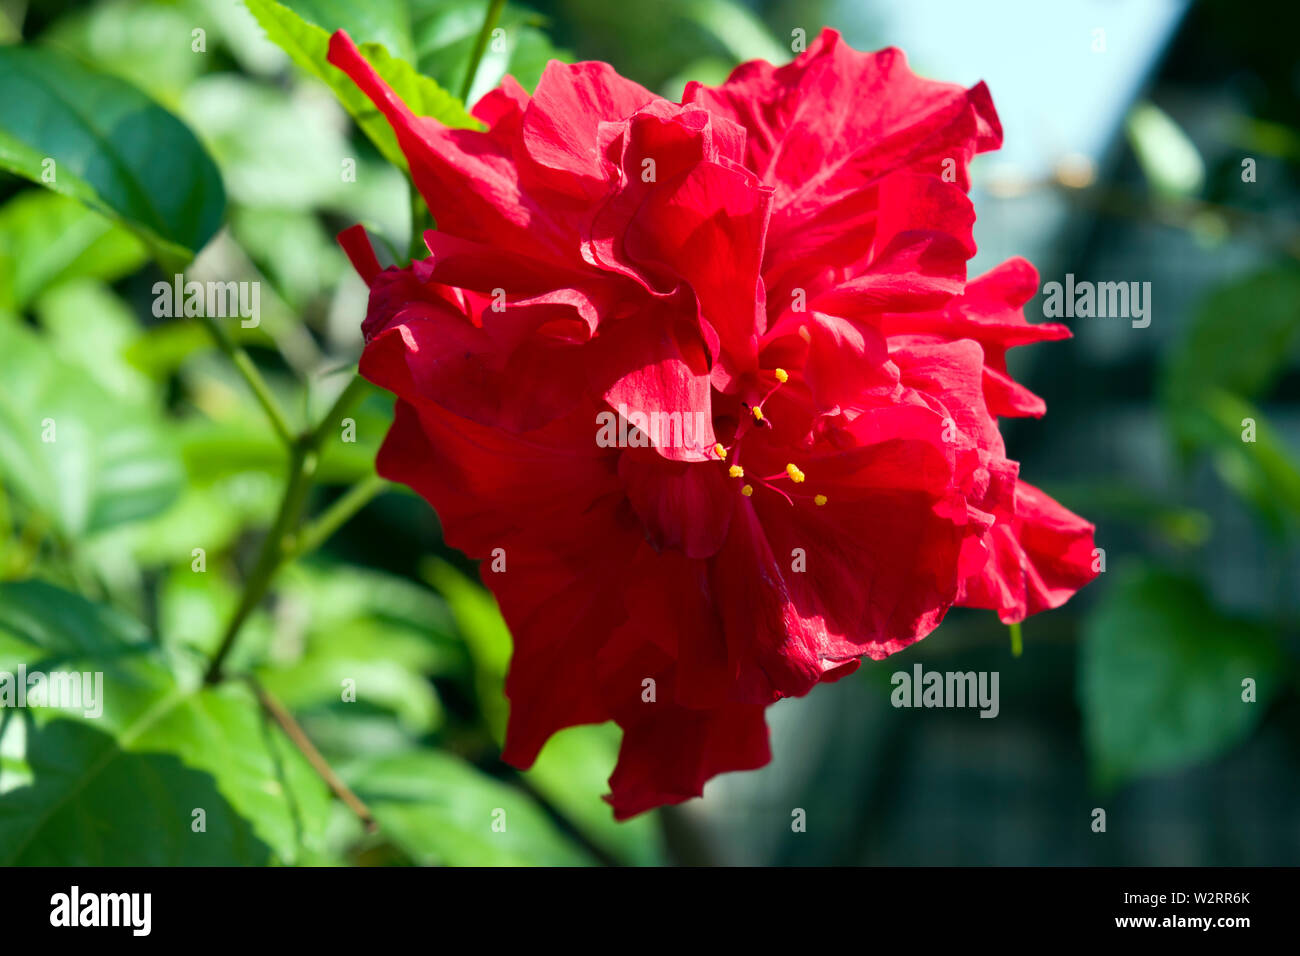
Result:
[705,386]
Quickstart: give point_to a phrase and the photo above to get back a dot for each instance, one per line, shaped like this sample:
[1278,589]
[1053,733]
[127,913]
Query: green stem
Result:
[480,44]
[261,391]
[303,458]
[1017,645]
[293,730]
[302,467]
[416,248]
[354,390]
[335,516]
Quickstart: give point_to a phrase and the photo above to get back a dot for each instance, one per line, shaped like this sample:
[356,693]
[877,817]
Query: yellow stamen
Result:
[758,413]
[804,333]
[819,500]
[747,490]
[782,376]
[735,471]
[795,474]
[719,450]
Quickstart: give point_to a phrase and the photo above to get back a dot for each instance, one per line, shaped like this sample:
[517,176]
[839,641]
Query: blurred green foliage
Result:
[138,474]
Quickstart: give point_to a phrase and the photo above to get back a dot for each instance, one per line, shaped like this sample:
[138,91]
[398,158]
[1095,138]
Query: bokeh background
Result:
[1151,141]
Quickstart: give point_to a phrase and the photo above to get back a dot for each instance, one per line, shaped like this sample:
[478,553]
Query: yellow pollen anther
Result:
[758,413]
[735,471]
[747,490]
[719,450]
[795,474]
[804,333]
[782,376]
[819,500]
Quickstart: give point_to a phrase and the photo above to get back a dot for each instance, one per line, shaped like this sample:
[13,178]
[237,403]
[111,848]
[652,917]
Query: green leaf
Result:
[384,22]
[1216,373]
[111,147]
[445,33]
[236,440]
[121,788]
[479,621]
[1161,677]
[88,802]
[440,810]
[369,628]
[308,46]
[1215,355]
[742,34]
[572,772]
[72,451]
[46,239]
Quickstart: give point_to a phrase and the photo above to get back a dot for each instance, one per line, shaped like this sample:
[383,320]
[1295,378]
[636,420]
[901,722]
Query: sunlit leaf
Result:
[308,46]
[122,787]
[100,140]
[442,811]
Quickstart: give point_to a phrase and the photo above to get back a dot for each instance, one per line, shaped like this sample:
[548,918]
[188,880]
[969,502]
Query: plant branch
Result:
[261,391]
[338,410]
[302,467]
[293,730]
[335,516]
[304,455]
[480,44]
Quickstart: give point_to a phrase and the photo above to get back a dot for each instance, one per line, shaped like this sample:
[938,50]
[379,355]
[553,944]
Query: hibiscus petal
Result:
[561,123]
[1037,560]
[683,506]
[669,754]
[823,127]
[468,179]
[657,376]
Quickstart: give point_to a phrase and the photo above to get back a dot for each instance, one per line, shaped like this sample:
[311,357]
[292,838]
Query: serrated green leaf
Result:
[308,46]
[385,22]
